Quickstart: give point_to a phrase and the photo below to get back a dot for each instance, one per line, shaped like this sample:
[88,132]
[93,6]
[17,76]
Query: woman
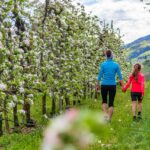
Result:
[107,80]
[136,78]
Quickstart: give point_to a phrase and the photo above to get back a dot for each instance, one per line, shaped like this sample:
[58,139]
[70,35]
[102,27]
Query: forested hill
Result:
[139,50]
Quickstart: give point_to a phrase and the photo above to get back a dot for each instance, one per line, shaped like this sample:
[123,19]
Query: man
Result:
[107,80]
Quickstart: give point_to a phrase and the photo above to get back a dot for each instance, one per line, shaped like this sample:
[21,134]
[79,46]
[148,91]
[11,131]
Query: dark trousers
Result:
[108,90]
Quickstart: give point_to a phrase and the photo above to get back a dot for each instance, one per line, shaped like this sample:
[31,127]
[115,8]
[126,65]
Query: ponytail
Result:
[136,69]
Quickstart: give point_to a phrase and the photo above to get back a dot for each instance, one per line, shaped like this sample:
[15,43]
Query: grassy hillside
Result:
[139,51]
[125,134]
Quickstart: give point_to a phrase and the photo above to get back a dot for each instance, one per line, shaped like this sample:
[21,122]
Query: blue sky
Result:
[89,2]
[128,15]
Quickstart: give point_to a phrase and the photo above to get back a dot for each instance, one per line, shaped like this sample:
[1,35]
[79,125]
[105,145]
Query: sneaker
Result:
[134,118]
[139,117]
[105,118]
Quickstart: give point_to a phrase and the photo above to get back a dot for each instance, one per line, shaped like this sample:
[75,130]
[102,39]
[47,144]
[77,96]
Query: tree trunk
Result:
[16,121]
[27,110]
[1,120]
[67,101]
[28,117]
[44,104]
[60,104]
[29,122]
[91,91]
[85,88]
[1,123]
[88,90]
[6,115]
[74,102]
[53,105]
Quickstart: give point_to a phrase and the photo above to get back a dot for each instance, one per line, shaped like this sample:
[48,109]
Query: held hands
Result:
[98,88]
[123,89]
[122,85]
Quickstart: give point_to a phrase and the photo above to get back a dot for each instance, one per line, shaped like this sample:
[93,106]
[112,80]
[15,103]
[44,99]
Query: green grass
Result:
[124,133]
[30,141]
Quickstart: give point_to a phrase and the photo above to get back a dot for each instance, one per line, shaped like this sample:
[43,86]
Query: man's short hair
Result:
[108,53]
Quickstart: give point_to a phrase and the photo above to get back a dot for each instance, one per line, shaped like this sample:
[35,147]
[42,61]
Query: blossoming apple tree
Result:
[52,49]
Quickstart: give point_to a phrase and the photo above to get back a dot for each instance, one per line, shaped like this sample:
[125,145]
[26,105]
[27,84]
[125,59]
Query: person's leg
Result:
[139,108]
[104,108]
[134,104]
[110,112]
[112,93]
[104,92]
[134,108]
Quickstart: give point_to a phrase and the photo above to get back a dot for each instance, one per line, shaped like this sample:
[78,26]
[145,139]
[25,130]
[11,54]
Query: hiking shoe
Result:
[107,119]
[134,118]
[139,117]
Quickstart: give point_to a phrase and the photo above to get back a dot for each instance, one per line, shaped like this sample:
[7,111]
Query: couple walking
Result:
[107,84]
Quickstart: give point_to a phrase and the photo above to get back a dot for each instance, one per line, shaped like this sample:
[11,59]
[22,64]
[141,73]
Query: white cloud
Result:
[128,15]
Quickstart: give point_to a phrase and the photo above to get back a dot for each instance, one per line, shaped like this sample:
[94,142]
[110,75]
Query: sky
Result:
[128,15]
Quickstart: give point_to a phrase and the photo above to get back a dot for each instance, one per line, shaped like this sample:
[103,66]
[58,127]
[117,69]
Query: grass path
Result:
[125,134]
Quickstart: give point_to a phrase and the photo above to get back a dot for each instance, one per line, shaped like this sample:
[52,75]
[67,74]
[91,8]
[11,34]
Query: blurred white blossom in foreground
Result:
[74,130]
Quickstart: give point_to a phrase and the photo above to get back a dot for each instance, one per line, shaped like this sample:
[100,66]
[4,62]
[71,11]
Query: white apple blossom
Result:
[13,32]
[15,67]
[55,82]
[5,72]
[21,101]
[21,90]
[51,62]
[45,116]
[1,45]
[11,105]
[15,98]
[30,95]
[1,35]
[21,111]
[25,63]
[67,73]
[8,52]
[2,86]
[20,56]
[30,101]
[21,83]
[27,42]
[29,76]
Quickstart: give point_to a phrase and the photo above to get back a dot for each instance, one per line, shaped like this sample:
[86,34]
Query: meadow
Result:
[124,133]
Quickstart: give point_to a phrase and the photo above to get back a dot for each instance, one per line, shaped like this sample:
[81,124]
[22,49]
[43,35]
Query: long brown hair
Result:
[136,69]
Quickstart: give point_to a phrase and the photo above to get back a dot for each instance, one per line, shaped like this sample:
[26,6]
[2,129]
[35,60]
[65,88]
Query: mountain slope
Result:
[139,50]
[145,38]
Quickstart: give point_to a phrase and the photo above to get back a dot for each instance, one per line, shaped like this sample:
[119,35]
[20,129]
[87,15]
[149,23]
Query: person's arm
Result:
[120,76]
[128,83]
[121,83]
[101,71]
[143,85]
[99,77]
